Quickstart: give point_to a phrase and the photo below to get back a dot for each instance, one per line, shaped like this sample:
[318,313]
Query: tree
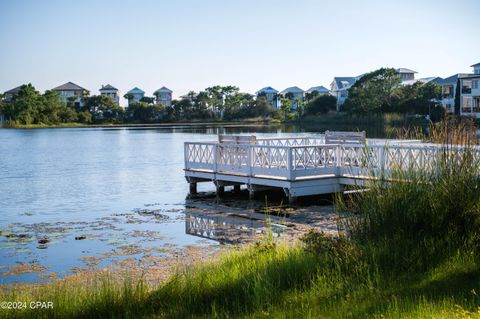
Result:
[102,108]
[321,105]
[286,107]
[373,92]
[456,103]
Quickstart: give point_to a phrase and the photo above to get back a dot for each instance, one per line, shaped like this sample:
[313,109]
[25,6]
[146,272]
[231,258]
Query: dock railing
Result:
[297,158]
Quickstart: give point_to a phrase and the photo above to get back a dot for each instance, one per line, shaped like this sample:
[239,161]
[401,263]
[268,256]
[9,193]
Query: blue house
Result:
[270,94]
[134,95]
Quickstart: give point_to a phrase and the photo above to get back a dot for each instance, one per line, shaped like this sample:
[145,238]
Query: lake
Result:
[68,195]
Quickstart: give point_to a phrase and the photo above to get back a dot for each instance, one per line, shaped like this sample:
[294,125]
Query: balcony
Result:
[466,90]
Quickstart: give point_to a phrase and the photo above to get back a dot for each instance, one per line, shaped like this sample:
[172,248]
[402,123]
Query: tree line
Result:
[379,91]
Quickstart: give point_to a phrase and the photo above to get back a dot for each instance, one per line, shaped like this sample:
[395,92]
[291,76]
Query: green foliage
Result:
[145,113]
[373,92]
[321,105]
[102,109]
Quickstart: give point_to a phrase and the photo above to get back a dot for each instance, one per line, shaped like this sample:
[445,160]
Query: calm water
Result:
[58,184]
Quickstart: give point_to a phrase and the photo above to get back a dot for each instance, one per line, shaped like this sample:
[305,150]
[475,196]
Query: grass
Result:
[409,250]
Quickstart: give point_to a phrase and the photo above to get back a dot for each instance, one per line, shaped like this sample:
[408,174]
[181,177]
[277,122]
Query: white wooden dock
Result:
[303,166]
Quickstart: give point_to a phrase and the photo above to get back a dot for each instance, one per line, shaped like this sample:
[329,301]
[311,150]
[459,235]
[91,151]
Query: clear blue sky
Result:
[190,45]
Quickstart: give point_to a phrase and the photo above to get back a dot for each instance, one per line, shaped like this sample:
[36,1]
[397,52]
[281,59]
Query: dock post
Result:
[220,191]
[193,188]
[236,188]
[251,192]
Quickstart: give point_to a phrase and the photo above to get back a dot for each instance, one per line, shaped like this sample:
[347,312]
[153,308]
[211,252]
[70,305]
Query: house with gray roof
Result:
[71,92]
[8,95]
[270,94]
[406,74]
[294,93]
[134,95]
[111,92]
[163,96]
[339,88]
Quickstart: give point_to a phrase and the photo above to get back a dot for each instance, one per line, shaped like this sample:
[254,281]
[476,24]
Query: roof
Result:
[344,81]
[69,86]
[405,70]
[453,78]
[163,89]
[424,80]
[470,76]
[477,64]
[320,89]
[136,90]
[292,89]
[14,90]
[267,89]
[108,87]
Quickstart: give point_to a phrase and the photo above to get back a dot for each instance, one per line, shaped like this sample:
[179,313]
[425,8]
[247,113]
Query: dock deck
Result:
[303,166]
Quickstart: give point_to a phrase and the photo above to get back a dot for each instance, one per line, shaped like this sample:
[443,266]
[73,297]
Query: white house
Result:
[406,74]
[69,90]
[294,93]
[449,86]
[339,88]
[163,96]
[111,92]
[134,95]
[470,93]
[270,94]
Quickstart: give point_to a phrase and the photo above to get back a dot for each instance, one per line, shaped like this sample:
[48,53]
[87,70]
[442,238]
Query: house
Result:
[71,92]
[449,86]
[8,95]
[340,85]
[315,91]
[406,74]
[163,96]
[339,88]
[470,93]
[111,92]
[294,93]
[134,95]
[270,94]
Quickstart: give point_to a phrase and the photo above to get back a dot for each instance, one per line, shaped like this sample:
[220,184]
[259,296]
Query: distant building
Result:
[470,93]
[111,92]
[163,96]
[449,86]
[320,89]
[8,95]
[270,94]
[135,95]
[339,88]
[69,90]
[406,74]
[295,94]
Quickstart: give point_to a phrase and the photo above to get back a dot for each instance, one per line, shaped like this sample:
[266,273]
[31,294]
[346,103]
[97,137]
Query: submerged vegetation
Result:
[407,249]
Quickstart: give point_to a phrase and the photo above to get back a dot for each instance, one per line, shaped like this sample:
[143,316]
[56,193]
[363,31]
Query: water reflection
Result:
[228,228]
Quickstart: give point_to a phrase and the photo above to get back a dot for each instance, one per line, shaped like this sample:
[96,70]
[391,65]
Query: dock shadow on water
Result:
[155,240]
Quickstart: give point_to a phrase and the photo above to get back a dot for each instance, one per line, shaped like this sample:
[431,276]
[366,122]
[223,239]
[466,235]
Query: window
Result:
[475,84]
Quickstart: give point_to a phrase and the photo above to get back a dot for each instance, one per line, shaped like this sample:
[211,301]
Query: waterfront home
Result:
[163,96]
[71,92]
[449,86]
[315,91]
[271,95]
[111,92]
[294,93]
[134,95]
[406,74]
[339,88]
[470,93]
[8,95]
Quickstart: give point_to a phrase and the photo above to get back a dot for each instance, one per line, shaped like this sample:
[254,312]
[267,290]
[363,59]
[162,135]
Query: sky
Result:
[190,44]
